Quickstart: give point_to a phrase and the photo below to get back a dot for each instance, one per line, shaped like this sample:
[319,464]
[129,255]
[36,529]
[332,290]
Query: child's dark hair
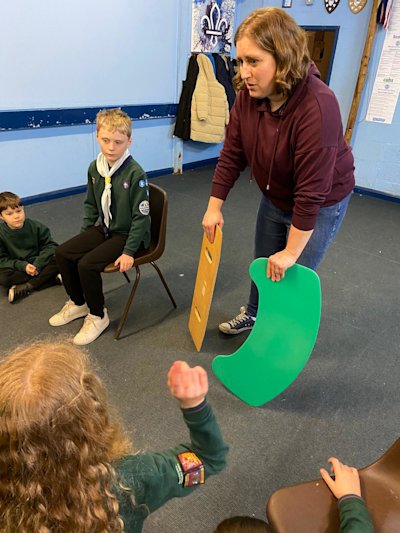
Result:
[9,200]
[243,524]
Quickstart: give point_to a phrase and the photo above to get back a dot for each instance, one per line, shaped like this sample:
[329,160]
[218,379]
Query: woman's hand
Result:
[125,262]
[279,263]
[188,385]
[347,480]
[213,217]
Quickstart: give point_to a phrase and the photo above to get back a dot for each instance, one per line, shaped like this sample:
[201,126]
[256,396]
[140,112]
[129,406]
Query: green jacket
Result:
[129,204]
[32,244]
[155,478]
[354,515]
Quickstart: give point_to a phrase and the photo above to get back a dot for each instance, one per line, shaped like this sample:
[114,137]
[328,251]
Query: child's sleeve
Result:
[46,246]
[155,478]
[6,261]
[91,211]
[140,213]
[354,515]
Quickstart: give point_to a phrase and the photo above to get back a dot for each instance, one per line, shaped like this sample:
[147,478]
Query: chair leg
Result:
[126,277]
[128,304]
[164,283]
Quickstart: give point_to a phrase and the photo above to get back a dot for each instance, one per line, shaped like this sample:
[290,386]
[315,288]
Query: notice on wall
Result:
[212,26]
[385,92]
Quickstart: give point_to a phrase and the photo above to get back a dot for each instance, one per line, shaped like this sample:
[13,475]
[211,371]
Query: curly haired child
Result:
[66,464]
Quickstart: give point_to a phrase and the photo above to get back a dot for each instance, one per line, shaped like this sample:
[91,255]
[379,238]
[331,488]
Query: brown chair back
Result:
[311,507]
[158,212]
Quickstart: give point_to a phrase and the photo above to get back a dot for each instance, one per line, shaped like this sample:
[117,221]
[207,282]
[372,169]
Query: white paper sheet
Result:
[386,87]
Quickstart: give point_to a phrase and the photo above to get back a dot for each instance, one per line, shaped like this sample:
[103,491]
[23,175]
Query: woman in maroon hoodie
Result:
[286,125]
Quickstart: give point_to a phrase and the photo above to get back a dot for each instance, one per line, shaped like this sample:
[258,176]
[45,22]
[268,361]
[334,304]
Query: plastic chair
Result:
[158,212]
[282,338]
[311,507]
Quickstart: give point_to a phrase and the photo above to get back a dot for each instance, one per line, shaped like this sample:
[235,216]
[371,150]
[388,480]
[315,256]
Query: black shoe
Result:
[16,292]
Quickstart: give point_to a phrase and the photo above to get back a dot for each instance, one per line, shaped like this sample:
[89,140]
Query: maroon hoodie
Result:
[297,154]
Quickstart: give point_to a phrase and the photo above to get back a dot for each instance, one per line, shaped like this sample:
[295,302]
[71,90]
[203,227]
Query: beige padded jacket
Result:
[210,111]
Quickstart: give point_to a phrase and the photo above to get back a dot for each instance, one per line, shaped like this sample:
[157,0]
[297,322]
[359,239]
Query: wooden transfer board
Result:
[210,255]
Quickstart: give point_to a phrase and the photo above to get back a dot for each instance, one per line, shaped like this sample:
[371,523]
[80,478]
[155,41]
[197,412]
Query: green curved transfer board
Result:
[282,338]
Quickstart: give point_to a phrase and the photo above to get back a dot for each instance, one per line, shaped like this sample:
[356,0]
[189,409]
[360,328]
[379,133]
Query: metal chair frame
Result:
[158,211]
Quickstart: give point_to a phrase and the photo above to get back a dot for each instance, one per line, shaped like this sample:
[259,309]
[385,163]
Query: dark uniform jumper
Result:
[82,259]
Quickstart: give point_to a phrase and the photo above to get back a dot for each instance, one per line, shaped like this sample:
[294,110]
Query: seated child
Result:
[118,195]
[354,515]
[27,261]
[243,524]
[66,462]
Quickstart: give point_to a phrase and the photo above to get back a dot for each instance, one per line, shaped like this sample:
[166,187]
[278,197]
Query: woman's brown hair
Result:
[58,439]
[276,32]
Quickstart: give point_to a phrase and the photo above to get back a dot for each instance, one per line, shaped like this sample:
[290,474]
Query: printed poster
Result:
[212,26]
[386,87]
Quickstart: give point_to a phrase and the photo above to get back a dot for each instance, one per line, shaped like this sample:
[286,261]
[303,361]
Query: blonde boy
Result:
[116,225]
[27,261]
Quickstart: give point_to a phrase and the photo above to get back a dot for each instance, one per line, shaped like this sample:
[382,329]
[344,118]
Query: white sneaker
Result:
[93,327]
[68,313]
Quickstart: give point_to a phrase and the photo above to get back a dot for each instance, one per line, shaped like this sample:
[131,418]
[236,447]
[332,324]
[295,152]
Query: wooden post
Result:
[362,73]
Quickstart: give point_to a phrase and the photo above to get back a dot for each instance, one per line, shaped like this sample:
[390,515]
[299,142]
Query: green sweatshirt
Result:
[155,478]
[129,204]
[354,515]
[32,244]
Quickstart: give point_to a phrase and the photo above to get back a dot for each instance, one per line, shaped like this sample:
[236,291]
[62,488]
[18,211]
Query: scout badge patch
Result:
[192,468]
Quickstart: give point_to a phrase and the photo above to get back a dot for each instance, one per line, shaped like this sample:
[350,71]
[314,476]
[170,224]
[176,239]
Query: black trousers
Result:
[45,278]
[82,259]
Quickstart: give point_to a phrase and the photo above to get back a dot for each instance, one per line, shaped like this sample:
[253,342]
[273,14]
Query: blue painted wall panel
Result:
[44,160]
[377,146]
[88,53]
[76,55]
[39,161]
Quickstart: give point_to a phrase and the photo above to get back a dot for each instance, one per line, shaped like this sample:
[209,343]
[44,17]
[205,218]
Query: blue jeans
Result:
[272,230]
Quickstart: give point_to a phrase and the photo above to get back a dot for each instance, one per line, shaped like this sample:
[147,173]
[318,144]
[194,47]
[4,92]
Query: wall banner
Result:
[212,26]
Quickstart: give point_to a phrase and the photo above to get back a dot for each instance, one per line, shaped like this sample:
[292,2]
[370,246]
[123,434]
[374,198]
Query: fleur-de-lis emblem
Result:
[213,24]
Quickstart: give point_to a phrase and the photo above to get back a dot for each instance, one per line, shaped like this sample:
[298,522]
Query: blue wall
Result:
[83,54]
[87,54]
[377,146]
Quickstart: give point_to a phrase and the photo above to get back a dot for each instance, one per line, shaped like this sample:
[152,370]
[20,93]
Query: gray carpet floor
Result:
[346,400]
